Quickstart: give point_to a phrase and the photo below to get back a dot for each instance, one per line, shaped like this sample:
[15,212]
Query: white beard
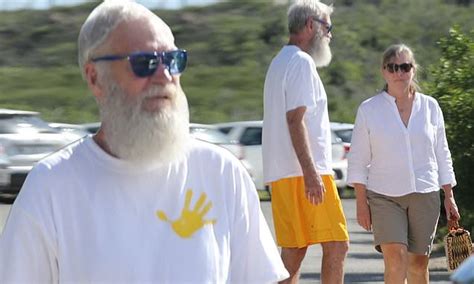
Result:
[141,137]
[320,50]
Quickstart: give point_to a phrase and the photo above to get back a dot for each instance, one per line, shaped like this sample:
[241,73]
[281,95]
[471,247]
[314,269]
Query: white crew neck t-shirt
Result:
[86,217]
[292,81]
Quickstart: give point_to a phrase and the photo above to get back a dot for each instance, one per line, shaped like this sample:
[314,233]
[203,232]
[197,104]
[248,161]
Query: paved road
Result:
[363,264]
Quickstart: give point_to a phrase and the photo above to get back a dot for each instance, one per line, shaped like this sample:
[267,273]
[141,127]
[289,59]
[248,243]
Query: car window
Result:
[24,124]
[344,134]
[335,139]
[209,135]
[251,136]
[225,130]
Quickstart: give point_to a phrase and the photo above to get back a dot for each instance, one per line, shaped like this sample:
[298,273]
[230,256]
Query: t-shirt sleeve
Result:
[27,254]
[254,256]
[299,82]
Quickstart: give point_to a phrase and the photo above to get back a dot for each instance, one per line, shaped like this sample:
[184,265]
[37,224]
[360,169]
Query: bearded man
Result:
[140,201]
[297,146]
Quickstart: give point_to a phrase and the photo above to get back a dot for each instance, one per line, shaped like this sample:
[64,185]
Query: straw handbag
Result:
[458,245]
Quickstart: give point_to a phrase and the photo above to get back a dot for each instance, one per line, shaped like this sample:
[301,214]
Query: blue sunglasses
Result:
[144,64]
[326,25]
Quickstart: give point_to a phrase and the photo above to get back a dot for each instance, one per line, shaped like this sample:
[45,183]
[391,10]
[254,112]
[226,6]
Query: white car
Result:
[24,139]
[343,131]
[249,134]
[74,131]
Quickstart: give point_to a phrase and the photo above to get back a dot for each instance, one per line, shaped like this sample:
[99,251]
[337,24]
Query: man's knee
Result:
[292,258]
[418,264]
[336,248]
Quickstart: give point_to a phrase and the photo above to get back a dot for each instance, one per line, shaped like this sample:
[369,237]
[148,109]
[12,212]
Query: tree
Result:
[453,87]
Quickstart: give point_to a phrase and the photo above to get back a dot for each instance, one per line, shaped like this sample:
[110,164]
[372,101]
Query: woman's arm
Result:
[363,210]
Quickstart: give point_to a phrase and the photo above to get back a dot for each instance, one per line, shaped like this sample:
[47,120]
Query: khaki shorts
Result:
[298,223]
[410,219]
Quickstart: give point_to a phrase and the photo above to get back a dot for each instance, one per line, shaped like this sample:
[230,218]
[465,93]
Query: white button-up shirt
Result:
[395,160]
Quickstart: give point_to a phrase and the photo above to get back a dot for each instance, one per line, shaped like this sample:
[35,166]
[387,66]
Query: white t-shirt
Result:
[86,217]
[395,160]
[291,82]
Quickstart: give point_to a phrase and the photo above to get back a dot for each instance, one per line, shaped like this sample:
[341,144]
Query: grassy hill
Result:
[230,45]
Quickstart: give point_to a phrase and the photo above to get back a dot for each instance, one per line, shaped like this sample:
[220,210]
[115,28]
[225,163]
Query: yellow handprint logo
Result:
[190,221]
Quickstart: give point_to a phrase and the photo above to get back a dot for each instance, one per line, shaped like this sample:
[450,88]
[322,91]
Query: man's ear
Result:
[310,25]
[92,78]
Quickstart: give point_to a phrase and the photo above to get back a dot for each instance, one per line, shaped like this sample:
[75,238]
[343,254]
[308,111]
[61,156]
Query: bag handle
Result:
[453,224]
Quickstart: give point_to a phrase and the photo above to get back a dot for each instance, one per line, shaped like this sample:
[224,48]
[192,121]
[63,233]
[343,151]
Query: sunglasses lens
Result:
[391,67]
[175,61]
[144,65]
[405,67]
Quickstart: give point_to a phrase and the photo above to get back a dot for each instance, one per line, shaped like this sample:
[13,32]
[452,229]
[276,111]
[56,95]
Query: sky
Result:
[45,4]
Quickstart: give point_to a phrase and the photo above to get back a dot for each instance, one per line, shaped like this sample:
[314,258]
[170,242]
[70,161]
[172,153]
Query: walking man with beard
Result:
[140,201]
[297,146]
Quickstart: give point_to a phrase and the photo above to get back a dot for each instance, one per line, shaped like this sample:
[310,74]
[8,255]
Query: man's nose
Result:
[162,75]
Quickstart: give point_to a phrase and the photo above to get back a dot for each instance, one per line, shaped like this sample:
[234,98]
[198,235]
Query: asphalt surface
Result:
[363,263]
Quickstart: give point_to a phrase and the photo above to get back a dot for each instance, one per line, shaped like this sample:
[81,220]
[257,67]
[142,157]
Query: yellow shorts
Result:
[298,223]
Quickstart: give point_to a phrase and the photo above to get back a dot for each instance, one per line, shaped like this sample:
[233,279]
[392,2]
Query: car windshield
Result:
[14,124]
[209,135]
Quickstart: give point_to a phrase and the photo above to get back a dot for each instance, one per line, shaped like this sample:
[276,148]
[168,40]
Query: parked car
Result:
[211,134]
[249,134]
[24,139]
[343,131]
[92,127]
[74,131]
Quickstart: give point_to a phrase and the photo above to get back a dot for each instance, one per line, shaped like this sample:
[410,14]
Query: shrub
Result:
[453,87]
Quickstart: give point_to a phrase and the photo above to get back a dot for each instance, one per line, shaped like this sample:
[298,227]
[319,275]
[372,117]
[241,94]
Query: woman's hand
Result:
[452,212]
[363,215]
[362,207]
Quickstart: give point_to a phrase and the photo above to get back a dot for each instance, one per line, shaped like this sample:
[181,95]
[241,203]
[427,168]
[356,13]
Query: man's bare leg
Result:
[332,267]
[292,258]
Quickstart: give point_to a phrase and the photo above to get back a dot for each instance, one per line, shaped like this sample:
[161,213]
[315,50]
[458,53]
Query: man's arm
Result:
[314,186]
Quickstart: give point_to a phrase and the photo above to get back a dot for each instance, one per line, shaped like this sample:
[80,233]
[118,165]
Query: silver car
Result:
[249,134]
[24,139]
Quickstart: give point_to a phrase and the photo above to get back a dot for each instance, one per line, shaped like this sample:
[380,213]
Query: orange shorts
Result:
[298,223]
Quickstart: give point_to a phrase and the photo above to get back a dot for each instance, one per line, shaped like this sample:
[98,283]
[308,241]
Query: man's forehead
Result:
[140,35]
[326,18]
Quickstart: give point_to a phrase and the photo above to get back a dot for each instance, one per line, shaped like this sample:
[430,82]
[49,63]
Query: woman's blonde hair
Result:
[396,50]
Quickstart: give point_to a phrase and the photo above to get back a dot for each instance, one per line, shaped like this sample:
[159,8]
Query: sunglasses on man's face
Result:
[326,24]
[144,64]
[404,67]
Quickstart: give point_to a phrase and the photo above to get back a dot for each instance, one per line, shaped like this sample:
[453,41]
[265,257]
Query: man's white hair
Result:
[301,10]
[103,20]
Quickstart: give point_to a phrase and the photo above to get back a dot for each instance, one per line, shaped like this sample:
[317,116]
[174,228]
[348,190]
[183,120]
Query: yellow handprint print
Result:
[190,221]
